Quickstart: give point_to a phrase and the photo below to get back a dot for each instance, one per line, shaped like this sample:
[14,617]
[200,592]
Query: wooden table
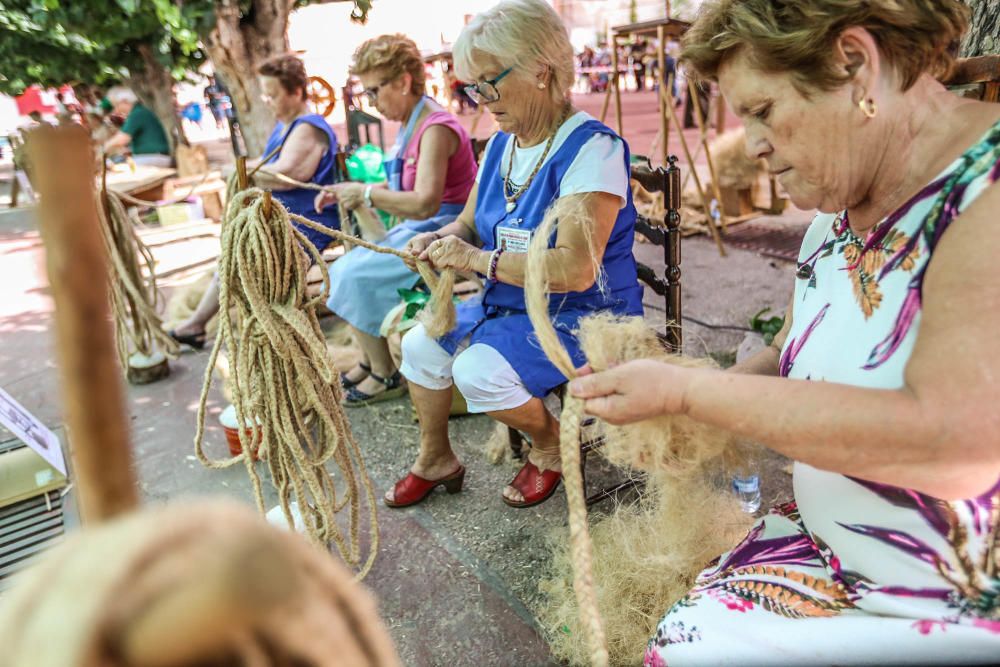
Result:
[143,183]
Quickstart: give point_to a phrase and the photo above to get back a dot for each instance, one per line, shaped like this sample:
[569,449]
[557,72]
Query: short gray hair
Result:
[521,34]
[122,94]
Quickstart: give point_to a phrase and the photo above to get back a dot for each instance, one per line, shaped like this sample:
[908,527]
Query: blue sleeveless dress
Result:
[300,200]
[498,318]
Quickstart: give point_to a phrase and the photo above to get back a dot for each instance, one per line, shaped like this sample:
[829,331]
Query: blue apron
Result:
[300,200]
[393,161]
[499,318]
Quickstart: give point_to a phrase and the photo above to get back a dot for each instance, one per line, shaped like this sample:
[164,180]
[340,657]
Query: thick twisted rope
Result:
[282,378]
[134,299]
[536,289]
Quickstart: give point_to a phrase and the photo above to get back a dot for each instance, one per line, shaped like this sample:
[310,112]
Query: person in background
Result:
[218,100]
[142,133]
[303,147]
[430,172]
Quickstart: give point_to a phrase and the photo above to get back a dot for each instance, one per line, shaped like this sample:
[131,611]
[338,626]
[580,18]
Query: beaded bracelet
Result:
[491,271]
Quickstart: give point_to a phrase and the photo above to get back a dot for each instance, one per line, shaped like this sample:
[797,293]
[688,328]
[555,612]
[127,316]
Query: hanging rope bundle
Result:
[285,389]
[185,585]
[134,299]
[675,448]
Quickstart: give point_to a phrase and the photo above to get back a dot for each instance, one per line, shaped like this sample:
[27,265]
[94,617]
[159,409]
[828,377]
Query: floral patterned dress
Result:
[854,572]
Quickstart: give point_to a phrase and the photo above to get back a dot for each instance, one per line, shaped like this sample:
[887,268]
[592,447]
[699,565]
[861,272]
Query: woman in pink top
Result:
[430,171]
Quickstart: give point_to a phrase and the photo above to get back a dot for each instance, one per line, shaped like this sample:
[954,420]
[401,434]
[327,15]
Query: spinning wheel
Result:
[321,96]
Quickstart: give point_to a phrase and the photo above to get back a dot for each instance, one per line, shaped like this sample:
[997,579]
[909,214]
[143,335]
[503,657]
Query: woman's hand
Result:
[416,247]
[351,195]
[451,252]
[633,391]
[324,199]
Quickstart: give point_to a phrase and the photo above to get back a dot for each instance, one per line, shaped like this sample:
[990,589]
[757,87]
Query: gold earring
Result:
[868,107]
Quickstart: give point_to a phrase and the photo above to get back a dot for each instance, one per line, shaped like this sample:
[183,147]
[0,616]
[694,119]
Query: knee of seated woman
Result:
[482,374]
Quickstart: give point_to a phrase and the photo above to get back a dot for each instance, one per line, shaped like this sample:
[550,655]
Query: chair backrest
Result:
[357,119]
[667,234]
[977,77]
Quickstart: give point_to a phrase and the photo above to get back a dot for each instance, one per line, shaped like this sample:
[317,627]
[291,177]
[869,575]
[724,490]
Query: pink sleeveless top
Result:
[461,166]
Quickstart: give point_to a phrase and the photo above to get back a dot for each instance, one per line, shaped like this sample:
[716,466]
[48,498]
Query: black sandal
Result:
[395,387]
[346,383]
[195,341]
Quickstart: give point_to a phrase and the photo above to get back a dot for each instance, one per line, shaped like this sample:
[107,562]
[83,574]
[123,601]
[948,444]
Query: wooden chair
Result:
[977,77]
[667,234]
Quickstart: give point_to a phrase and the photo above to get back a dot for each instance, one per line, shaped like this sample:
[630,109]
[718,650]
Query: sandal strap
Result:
[390,382]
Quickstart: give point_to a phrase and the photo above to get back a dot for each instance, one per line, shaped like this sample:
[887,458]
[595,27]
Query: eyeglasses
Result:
[372,93]
[486,92]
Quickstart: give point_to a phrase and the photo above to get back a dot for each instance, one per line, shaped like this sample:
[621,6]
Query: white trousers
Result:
[487,381]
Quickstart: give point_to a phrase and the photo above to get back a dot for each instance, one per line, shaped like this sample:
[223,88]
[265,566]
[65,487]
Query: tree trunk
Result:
[983,37]
[154,85]
[237,45]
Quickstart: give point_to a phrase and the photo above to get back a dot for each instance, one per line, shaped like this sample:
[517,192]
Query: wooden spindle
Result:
[63,168]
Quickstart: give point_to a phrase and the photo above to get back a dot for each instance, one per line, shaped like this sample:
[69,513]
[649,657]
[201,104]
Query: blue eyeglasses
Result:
[486,92]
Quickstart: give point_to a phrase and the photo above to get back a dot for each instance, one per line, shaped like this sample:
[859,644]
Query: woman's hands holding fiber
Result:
[351,195]
[451,252]
[633,391]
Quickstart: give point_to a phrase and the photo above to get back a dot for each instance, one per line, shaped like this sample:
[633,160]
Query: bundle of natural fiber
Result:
[646,557]
[283,386]
[200,584]
[134,298]
[677,449]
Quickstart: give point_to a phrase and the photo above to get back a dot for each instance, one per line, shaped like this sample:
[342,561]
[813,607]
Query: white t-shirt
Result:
[598,167]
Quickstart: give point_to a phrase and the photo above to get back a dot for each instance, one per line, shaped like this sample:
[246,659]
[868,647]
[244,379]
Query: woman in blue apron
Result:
[544,151]
[430,170]
[302,146]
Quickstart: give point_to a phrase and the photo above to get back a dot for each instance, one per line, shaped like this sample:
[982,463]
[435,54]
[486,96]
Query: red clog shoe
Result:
[534,485]
[413,489]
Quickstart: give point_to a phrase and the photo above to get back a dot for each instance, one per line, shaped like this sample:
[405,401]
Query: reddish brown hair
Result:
[289,71]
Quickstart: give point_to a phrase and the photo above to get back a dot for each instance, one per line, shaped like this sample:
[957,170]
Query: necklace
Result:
[512,194]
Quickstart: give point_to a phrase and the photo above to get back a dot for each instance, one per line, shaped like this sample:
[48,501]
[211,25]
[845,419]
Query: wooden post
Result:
[708,154]
[662,84]
[672,254]
[607,102]
[267,204]
[77,268]
[697,179]
[614,81]
[241,172]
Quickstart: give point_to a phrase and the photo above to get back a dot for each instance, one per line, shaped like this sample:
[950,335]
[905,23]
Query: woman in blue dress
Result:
[430,171]
[520,58]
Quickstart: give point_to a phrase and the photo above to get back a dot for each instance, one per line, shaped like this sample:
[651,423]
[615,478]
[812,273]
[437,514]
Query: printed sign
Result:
[32,432]
[513,240]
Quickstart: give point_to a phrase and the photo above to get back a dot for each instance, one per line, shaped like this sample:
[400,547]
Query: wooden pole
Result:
[708,154]
[697,180]
[614,82]
[607,102]
[662,84]
[63,169]
[241,172]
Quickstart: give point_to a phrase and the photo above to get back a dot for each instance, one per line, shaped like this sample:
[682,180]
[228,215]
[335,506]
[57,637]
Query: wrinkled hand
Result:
[416,246]
[633,391]
[351,195]
[451,252]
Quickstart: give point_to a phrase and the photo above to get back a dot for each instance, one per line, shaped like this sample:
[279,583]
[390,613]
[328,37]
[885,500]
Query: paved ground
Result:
[457,577]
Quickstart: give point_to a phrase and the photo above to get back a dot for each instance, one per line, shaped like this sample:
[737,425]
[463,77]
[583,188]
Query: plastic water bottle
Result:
[746,486]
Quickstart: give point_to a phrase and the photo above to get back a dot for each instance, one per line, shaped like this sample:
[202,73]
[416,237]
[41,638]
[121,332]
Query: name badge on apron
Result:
[512,239]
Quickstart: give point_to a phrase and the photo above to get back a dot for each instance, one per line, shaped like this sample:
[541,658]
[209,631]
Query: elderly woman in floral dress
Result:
[885,381]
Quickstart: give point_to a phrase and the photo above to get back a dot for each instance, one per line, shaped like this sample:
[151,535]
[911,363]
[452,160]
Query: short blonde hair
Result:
[521,34]
[797,36]
[395,54]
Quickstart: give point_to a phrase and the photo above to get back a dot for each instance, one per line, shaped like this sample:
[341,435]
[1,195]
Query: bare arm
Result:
[939,433]
[437,145]
[118,142]
[298,159]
